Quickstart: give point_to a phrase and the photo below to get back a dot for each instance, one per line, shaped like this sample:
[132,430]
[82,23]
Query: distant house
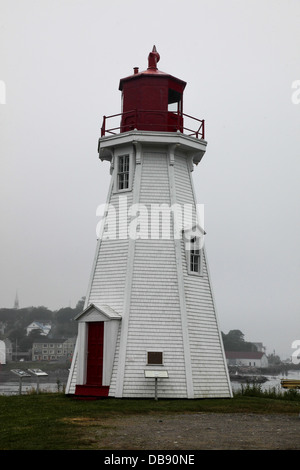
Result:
[2,327]
[246,358]
[37,325]
[5,351]
[2,353]
[53,349]
[9,349]
[260,347]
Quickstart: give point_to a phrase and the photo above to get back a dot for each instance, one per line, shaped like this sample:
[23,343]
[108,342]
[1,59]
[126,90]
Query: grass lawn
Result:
[53,421]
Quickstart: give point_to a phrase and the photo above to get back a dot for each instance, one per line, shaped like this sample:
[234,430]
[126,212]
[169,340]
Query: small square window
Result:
[155,357]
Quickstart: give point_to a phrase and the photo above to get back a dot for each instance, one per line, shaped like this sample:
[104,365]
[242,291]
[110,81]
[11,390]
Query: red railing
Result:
[173,122]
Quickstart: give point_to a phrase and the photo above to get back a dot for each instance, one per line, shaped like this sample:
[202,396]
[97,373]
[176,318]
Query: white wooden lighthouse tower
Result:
[149,325]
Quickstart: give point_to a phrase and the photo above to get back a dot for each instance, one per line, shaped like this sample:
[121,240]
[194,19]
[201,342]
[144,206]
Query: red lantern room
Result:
[152,101]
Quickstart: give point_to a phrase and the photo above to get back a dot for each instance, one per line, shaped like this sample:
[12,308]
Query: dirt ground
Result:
[197,431]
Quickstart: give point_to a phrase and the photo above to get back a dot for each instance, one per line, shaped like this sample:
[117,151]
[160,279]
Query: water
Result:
[13,388]
[272,382]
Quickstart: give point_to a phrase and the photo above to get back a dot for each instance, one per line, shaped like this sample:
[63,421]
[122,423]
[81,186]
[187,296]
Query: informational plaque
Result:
[37,372]
[20,373]
[157,374]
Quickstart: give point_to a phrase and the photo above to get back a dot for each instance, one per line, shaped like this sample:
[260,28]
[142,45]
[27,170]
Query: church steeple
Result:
[16,304]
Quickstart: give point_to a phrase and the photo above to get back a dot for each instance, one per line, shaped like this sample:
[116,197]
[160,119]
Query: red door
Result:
[95,353]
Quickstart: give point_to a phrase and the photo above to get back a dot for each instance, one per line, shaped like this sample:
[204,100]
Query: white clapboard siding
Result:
[207,358]
[146,281]
[112,388]
[108,282]
[154,322]
[71,383]
[208,362]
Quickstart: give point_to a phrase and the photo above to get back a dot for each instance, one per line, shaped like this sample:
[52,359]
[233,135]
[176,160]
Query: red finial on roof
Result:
[153,58]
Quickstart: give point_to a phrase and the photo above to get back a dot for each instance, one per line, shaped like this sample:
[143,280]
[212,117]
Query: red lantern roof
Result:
[152,100]
[152,70]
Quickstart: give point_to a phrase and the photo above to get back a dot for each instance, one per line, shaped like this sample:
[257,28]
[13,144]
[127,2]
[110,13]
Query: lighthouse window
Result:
[174,101]
[123,172]
[195,256]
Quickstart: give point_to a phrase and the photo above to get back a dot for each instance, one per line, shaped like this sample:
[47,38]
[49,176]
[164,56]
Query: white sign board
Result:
[20,373]
[37,372]
[157,374]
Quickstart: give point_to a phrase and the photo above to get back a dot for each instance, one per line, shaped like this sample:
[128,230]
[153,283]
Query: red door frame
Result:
[95,353]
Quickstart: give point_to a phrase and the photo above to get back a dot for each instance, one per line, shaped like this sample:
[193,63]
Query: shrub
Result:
[255,390]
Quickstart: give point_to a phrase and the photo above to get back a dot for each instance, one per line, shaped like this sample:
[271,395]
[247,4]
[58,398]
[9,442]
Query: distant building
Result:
[53,349]
[37,325]
[5,351]
[2,327]
[2,353]
[9,349]
[260,347]
[246,358]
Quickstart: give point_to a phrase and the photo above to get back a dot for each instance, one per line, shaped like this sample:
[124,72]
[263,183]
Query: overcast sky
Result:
[60,66]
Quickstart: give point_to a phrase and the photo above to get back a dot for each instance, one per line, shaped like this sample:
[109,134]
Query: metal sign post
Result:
[156,374]
[21,374]
[38,373]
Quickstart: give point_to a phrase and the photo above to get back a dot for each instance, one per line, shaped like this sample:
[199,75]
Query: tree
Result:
[16,334]
[26,342]
[234,341]
[80,305]
[274,359]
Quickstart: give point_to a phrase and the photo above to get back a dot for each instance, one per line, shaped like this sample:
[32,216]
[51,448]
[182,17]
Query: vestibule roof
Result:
[96,312]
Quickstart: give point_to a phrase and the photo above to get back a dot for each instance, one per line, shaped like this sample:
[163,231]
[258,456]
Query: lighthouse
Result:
[149,326]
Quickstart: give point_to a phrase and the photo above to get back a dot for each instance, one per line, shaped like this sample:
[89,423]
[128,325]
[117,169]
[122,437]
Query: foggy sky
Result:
[61,62]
